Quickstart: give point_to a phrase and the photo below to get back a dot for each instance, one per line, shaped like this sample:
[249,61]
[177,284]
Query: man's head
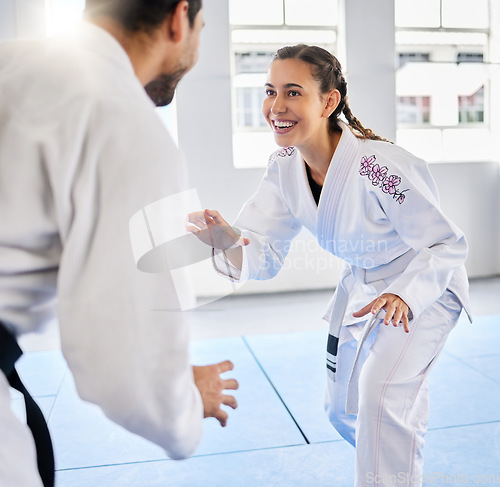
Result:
[138,15]
[167,30]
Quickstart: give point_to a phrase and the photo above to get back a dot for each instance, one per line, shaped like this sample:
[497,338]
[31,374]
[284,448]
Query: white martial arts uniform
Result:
[81,151]
[379,212]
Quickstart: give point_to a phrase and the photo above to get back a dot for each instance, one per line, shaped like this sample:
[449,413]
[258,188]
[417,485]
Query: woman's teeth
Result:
[283,125]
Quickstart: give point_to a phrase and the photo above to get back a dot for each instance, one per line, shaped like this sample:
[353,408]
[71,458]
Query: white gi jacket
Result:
[81,151]
[378,203]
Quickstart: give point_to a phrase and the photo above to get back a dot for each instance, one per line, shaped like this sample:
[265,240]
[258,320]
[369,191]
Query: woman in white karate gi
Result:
[374,205]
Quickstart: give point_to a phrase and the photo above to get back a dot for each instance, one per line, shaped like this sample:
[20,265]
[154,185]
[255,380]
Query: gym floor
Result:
[279,435]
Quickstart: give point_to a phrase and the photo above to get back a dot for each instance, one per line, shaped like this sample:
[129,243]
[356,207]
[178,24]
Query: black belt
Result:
[9,354]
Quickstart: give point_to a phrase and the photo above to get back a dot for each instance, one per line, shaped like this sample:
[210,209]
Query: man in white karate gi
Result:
[81,151]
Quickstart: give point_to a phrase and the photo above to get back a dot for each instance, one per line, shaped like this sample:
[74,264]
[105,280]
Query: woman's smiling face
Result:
[294,107]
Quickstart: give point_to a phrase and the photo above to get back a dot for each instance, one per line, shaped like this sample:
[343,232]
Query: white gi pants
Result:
[18,467]
[393,394]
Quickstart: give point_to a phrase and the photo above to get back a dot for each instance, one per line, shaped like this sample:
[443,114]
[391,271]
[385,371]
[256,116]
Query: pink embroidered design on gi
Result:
[366,165]
[378,176]
[286,151]
[401,198]
[390,184]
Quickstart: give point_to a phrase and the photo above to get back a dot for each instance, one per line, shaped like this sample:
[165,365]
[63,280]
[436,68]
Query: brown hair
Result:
[327,71]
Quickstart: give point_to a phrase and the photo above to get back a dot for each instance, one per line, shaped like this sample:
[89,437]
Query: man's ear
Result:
[332,100]
[177,22]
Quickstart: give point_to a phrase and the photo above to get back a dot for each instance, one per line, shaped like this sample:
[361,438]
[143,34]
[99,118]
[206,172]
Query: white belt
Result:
[367,276]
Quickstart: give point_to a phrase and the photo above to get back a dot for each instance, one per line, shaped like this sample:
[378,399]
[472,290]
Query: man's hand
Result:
[209,383]
[396,310]
[213,230]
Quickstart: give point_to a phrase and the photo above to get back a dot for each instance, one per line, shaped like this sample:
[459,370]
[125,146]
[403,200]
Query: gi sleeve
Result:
[122,331]
[413,209]
[266,220]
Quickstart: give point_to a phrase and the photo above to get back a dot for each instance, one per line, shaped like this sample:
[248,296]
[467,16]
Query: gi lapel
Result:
[330,204]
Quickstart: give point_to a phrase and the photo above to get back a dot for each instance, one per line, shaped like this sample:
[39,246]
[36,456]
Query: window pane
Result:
[256,12]
[442,38]
[249,107]
[262,146]
[413,109]
[281,38]
[63,14]
[426,143]
[467,145]
[446,84]
[470,57]
[413,57]
[466,14]
[168,115]
[471,108]
[316,12]
[250,93]
[252,62]
[418,13]
[255,80]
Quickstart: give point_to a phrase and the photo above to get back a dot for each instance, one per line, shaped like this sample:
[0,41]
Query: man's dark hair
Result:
[139,15]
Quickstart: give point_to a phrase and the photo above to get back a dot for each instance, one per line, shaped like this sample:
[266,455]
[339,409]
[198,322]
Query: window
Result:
[413,57]
[62,14]
[413,109]
[248,85]
[443,77]
[258,29]
[471,108]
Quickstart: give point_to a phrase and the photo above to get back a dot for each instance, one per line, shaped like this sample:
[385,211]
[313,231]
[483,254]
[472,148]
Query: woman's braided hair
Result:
[327,70]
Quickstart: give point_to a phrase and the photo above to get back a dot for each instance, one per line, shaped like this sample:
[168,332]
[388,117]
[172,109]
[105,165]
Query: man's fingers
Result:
[229,401]
[230,384]
[221,416]
[224,366]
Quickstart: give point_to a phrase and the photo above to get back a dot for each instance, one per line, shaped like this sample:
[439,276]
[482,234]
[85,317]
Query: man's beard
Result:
[162,89]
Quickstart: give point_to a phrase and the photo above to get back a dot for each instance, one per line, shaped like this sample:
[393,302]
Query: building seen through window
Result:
[443,78]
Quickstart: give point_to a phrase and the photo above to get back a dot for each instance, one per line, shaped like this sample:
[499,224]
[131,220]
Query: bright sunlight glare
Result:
[62,15]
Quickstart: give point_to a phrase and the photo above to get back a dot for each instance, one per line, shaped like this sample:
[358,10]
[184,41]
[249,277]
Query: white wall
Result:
[7,19]
[470,196]
[22,18]
[495,102]
[369,63]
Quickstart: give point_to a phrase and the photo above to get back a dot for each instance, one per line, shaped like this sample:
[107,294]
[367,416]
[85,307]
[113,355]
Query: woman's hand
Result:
[396,310]
[214,231]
